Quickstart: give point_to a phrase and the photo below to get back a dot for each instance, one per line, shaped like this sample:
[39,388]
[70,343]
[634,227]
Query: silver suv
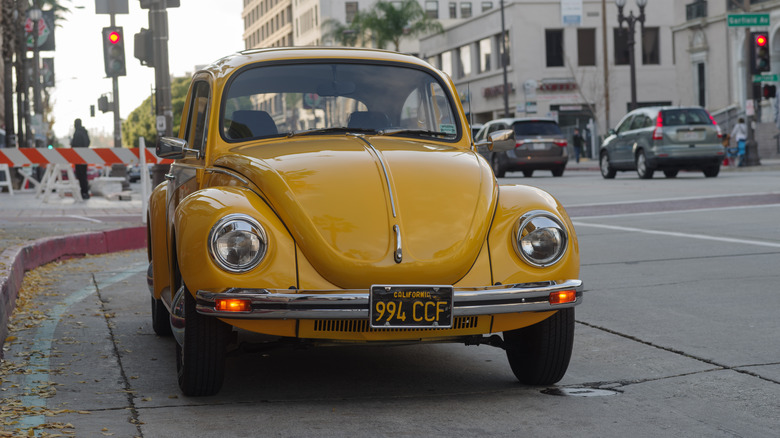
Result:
[669,139]
[539,145]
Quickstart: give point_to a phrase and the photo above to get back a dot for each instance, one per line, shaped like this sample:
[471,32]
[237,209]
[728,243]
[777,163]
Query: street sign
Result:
[744,20]
[766,77]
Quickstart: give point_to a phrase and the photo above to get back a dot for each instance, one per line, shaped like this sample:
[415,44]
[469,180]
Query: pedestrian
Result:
[81,140]
[739,134]
[577,141]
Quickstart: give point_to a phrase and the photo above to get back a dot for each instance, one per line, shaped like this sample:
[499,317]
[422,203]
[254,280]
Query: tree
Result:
[141,122]
[349,35]
[388,23]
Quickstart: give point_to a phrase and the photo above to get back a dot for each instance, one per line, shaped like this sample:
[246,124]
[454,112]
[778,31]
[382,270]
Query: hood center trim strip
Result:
[384,170]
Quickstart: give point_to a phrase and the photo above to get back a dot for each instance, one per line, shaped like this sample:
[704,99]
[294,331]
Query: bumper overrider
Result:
[354,303]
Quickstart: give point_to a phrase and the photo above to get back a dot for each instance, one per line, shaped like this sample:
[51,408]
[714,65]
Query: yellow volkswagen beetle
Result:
[327,196]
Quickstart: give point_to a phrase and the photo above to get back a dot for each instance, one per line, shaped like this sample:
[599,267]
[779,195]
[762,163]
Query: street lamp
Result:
[36,15]
[631,21]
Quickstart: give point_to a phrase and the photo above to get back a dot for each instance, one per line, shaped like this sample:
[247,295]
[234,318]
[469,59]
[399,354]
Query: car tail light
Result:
[658,132]
[561,143]
[519,143]
[563,297]
[717,128]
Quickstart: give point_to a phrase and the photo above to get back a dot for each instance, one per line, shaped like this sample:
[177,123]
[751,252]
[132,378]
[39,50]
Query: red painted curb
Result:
[17,260]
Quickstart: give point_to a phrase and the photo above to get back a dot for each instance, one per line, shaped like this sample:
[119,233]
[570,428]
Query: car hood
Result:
[340,198]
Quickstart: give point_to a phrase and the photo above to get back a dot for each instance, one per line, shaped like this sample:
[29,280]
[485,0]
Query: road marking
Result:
[42,345]
[84,218]
[675,234]
[685,198]
[693,210]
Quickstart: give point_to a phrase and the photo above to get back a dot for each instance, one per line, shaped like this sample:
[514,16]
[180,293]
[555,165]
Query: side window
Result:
[197,119]
[638,122]
[625,126]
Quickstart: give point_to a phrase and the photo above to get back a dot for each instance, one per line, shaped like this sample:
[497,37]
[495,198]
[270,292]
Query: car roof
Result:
[510,120]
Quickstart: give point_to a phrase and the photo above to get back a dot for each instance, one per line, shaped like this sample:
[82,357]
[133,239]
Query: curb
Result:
[17,260]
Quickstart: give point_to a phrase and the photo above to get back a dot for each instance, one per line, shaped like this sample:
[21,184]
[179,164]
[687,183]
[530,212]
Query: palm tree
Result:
[388,23]
[349,35]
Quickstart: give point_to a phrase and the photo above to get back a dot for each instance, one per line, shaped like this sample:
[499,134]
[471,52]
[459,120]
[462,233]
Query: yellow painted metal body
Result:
[456,221]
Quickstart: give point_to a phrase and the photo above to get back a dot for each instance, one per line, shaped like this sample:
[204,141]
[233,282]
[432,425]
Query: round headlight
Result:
[540,238]
[237,243]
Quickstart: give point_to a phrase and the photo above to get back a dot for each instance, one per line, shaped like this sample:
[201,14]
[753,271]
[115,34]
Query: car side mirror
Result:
[611,132]
[174,148]
[501,141]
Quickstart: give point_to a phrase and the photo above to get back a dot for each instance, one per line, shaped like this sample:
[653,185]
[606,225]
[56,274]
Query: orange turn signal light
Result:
[563,297]
[232,305]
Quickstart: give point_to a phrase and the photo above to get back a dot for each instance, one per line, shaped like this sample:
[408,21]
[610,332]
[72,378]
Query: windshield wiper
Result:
[331,130]
[397,131]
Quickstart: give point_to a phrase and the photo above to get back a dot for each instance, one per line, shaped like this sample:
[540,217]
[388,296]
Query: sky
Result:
[199,32]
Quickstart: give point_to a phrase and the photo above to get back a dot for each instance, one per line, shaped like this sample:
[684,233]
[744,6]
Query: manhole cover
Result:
[579,392]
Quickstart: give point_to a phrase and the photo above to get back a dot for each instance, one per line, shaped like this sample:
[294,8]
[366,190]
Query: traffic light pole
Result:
[751,146]
[117,121]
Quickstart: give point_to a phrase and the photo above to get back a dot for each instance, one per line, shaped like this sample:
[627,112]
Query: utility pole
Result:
[504,58]
[114,58]
[751,146]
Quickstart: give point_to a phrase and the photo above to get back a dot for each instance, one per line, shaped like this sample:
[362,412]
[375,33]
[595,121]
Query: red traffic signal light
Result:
[759,53]
[114,37]
[761,39]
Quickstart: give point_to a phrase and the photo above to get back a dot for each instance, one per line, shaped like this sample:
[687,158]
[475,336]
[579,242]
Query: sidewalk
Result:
[33,233]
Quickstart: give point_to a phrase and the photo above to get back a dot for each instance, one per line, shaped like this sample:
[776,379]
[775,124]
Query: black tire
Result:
[528,173]
[671,173]
[161,318]
[607,171]
[711,171]
[200,362]
[558,171]
[642,168]
[540,354]
[495,163]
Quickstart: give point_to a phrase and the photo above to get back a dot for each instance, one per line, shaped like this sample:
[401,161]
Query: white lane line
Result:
[84,218]
[41,346]
[687,198]
[693,210]
[675,234]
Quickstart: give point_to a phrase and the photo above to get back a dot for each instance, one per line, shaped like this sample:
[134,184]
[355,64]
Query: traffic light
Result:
[114,51]
[103,104]
[759,49]
[769,91]
[143,49]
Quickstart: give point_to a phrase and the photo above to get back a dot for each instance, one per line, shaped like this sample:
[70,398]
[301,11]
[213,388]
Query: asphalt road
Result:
[678,335]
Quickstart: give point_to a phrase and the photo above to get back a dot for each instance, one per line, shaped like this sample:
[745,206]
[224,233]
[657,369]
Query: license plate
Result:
[411,306]
[691,135]
[540,146]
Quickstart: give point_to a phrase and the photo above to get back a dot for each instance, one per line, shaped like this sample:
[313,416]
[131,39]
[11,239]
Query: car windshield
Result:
[685,116]
[536,127]
[336,97]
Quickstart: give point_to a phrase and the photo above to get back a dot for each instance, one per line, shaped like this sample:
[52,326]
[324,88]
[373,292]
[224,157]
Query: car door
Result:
[620,149]
[185,173]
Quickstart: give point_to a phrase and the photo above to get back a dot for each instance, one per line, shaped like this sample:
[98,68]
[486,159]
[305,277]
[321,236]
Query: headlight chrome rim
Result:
[237,223]
[531,223]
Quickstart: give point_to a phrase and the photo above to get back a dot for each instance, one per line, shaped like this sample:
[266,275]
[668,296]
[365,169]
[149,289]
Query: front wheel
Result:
[711,171]
[495,162]
[200,361]
[540,354]
[607,171]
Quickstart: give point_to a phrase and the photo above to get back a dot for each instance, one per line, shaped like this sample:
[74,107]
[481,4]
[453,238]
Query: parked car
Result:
[668,139]
[134,172]
[475,127]
[309,205]
[539,145]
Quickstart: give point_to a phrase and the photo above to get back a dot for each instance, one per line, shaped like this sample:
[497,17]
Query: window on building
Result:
[701,88]
[464,61]
[650,46]
[465,10]
[485,48]
[446,62]
[351,9]
[586,46]
[553,39]
[453,6]
[620,37]
[487,6]
[432,9]
[506,58]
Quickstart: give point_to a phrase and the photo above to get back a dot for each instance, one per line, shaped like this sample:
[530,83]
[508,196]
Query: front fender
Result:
[507,266]
[158,240]
[200,211]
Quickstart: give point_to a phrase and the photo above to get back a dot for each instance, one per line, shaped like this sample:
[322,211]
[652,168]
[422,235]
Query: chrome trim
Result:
[384,170]
[228,173]
[353,303]
[177,315]
[398,255]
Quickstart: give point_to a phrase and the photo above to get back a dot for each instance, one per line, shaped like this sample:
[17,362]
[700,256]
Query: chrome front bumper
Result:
[353,304]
